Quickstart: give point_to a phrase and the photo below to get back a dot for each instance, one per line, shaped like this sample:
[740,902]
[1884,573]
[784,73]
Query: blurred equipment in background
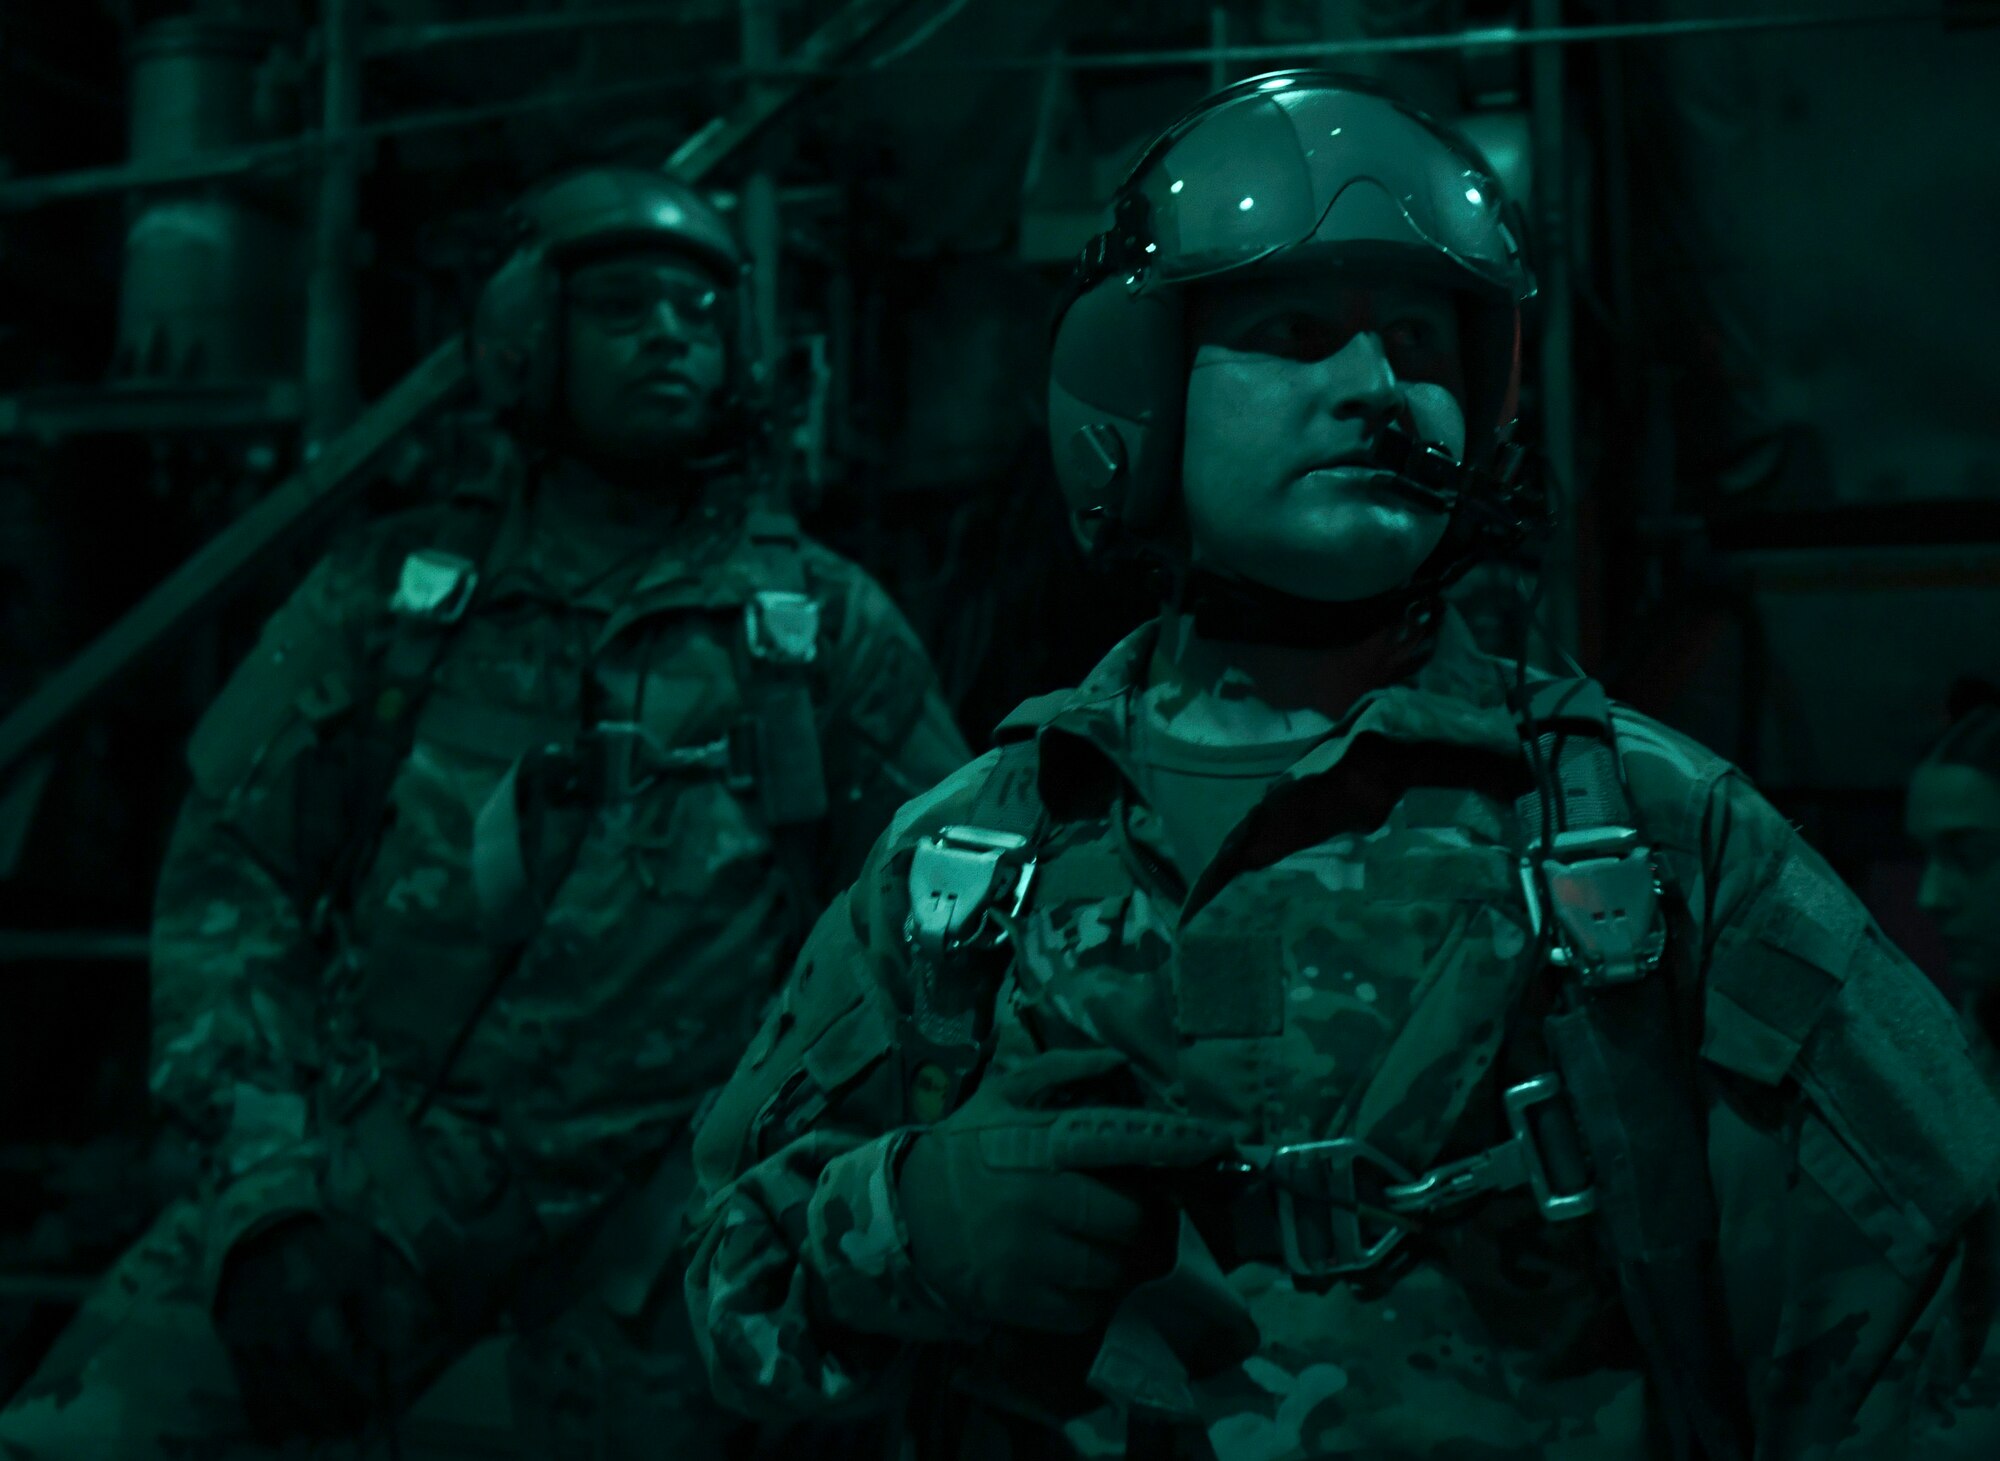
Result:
[209,292]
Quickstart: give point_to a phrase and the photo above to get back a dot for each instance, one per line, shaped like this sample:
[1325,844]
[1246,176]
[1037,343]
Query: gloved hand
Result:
[1012,1215]
[319,1315]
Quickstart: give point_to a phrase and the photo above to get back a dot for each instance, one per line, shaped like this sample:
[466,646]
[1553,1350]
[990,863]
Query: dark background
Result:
[1766,340]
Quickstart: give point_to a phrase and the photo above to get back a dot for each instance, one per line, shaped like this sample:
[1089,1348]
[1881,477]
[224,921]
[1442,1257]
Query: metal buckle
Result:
[1600,887]
[1331,1240]
[434,586]
[1339,1236]
[619,749]
[782,628]
[956,877]
[627,758]
[351,1085]
[1557,1207]
[1516,1162]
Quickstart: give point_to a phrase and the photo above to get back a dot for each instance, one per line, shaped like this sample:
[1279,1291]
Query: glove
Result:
[1010,1215]
[318,1314]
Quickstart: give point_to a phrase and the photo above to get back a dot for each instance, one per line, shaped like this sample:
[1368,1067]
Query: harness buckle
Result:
[1516,1162]
[434,586]
[1557,1207]
[1330,1226]
[352,1084]
[625,758]
[1326,1229]
[957,877]
[1601,889]
[782,628]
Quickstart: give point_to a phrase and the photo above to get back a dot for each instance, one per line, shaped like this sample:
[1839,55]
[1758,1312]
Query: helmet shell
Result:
[1298,170]
[514,341]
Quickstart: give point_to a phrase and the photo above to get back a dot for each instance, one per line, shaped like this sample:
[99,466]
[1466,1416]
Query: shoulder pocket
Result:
[1901,1130]
[1770,984]
[1888,1071]
[295,680]
[824,1033]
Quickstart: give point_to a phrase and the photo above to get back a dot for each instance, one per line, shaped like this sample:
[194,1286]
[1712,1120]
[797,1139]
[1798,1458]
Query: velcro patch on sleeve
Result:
[1771,984]
[1762,1004]
[1889,1071]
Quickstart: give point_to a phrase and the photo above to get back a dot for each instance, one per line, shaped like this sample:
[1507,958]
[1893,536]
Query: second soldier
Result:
[495,848]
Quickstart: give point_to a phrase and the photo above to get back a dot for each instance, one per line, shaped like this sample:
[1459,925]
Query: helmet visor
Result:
[1289,164]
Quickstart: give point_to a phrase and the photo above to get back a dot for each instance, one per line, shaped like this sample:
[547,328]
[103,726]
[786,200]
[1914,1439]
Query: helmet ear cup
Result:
[1117,391]
[516,355]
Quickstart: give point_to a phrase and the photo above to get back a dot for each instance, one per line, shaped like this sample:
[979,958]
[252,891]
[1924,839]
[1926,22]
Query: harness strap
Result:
[965,883]
[781,633]
[1624,1059]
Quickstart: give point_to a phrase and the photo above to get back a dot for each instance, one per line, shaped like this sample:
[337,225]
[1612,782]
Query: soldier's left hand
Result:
[312,1313]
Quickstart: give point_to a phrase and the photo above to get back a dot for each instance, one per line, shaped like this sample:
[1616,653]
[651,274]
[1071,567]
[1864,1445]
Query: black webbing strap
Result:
[1011,799]
[781,630]
[409,644]
[1628,1068]
[960,878]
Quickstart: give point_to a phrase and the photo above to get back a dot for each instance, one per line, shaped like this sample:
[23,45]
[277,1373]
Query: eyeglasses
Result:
[625,304]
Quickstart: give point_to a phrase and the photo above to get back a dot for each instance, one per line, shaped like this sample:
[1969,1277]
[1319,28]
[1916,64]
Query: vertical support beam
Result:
[762,229]
[1558,365]
[330,393]
[1218,38]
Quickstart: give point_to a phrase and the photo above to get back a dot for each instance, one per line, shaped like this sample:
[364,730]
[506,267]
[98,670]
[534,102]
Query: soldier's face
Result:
[1953,814]
[646,358]
[1290,381]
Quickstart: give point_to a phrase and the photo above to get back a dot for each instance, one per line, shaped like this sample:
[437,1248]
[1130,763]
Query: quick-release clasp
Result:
[352,1084]
[622,758]
[1516,1162]
[1600,888]
[960,875]
[434,586]
[1328,1225]
[782,628]
[1343,1205]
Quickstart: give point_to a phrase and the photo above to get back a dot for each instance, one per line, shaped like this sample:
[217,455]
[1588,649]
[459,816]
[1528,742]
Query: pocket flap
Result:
[850,1046]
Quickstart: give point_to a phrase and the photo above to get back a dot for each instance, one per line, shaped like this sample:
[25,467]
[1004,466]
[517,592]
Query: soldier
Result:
[1312,1037]
[1953,814]
[497,846]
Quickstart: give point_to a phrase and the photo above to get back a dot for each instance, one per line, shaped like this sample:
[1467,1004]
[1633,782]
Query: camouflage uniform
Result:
[315,952]
[1334,973]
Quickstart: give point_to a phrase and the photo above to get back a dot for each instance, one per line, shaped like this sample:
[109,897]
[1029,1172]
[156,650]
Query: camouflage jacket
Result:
[317,943]
[1354,973]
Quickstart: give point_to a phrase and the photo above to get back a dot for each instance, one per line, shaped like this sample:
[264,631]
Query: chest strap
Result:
[966,882]
[1624,1055]
[1613,1130]
[1328,1211]
[781,631]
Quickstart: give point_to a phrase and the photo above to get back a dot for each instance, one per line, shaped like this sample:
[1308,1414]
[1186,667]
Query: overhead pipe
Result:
[295,153]
[330,390]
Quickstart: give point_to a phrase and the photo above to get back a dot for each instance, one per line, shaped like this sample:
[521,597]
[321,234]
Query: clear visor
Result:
[1344,172]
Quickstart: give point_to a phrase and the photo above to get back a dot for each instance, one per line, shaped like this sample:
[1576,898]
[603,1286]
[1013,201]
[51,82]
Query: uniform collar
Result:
[568,536]
[1448,718]
[1456,699]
